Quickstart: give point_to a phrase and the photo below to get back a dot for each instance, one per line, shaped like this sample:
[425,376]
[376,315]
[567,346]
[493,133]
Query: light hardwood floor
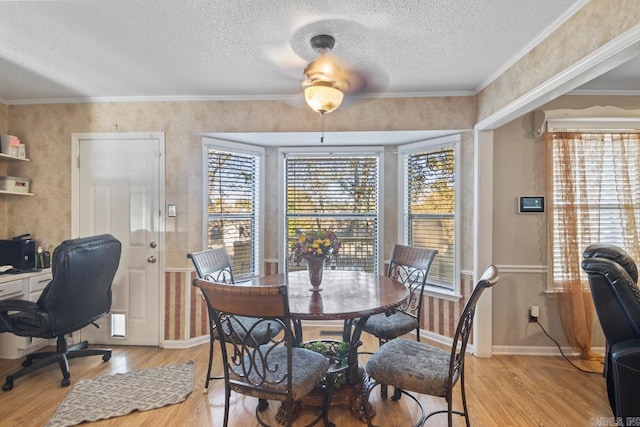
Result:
[501,391]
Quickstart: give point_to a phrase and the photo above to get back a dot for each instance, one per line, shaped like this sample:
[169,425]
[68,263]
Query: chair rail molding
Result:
[523,268]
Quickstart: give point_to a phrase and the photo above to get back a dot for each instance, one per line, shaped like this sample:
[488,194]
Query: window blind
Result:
[430,209]
[596,194]
[338,194]
[232,195]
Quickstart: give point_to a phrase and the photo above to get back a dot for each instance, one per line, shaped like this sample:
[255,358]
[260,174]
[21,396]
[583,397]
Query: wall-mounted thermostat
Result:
[530,204]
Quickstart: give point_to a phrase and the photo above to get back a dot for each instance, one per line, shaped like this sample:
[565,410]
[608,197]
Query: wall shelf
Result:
[13,158]
[15,193]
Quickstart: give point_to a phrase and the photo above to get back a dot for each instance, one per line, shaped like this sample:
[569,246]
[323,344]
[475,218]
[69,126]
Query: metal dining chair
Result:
[409,265]
[418,367]
[276,369]
[215,265]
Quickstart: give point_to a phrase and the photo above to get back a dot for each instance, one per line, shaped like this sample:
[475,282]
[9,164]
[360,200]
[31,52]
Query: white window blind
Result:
[430,209]
[232,208]
[596,196]
[338,193]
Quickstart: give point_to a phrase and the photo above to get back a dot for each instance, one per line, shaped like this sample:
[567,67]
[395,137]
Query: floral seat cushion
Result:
[411,365]
[389,327]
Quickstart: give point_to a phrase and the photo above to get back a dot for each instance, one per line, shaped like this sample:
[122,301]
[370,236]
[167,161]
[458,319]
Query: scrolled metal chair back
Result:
[410,265]
[250,361]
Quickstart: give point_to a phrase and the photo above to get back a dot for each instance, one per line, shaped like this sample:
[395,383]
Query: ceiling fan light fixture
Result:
[322,97]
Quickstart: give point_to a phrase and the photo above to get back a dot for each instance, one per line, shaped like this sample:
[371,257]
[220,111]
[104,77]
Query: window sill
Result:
[444,294]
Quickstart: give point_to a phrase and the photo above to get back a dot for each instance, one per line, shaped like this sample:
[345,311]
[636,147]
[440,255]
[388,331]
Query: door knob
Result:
[151,259]
[153,245]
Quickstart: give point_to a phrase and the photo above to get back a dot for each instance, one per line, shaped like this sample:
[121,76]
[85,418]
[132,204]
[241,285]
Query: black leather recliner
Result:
[613,278]
[79,293]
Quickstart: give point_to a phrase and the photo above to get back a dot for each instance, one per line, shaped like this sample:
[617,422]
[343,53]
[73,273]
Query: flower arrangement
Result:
[315,244]
[338,352]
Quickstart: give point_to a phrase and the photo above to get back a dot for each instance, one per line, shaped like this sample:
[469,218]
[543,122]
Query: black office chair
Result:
[214,265]
[422,368]
[79,293]
[613,279]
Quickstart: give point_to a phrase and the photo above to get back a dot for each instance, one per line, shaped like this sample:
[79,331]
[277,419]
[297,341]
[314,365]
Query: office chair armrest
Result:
[23,318]
[627,353]
[17,305]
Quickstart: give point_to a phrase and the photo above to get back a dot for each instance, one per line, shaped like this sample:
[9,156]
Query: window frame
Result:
[209,143]
[368,151]
[404,150]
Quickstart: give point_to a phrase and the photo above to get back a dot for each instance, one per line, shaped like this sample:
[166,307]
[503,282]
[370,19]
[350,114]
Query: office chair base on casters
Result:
[35,361]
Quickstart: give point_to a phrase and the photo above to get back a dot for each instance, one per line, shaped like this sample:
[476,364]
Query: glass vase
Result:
[315,266]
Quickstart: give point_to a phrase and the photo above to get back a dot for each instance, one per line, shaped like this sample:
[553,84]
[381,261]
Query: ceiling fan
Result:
[327,79]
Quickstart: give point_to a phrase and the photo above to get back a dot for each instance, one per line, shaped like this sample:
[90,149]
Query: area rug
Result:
[120,394]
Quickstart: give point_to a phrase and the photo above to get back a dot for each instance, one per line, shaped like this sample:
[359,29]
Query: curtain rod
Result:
[593,124]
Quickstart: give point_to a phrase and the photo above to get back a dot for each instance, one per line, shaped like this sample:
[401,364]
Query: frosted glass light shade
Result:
[323,99]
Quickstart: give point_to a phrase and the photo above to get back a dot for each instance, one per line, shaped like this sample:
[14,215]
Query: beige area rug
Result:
[120,394]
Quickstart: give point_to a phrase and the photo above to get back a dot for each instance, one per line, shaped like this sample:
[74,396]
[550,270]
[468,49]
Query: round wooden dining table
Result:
[346,295]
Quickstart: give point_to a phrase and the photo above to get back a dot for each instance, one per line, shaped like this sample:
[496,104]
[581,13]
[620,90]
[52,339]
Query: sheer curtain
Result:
[594,194]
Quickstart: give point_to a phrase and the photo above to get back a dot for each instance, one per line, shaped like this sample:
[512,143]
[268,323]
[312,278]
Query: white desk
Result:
[22,286]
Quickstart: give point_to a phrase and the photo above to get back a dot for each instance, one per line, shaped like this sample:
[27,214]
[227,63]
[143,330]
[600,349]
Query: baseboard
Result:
[512,350]
[179,344]
[175,344]
[424,335]
[540,350]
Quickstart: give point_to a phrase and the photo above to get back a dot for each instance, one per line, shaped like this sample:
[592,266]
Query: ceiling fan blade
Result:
[285,59]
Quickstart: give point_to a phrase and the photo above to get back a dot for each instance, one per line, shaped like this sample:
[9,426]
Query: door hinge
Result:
[78,162]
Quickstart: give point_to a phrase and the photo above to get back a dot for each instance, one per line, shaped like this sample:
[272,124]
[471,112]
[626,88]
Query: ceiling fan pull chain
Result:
[322,128]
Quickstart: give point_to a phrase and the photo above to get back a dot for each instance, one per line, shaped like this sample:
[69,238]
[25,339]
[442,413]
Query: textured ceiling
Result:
[181,49]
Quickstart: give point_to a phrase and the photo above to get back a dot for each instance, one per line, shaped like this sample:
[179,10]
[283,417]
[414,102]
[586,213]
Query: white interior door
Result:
[119,192]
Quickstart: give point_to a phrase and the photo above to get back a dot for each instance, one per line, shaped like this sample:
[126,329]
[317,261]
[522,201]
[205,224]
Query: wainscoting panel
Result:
[270,267]
[199,319]
[174,305]
[185,310]
[440,316]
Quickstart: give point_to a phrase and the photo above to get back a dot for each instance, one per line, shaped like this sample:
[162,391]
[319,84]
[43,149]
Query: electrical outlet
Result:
[534,311]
